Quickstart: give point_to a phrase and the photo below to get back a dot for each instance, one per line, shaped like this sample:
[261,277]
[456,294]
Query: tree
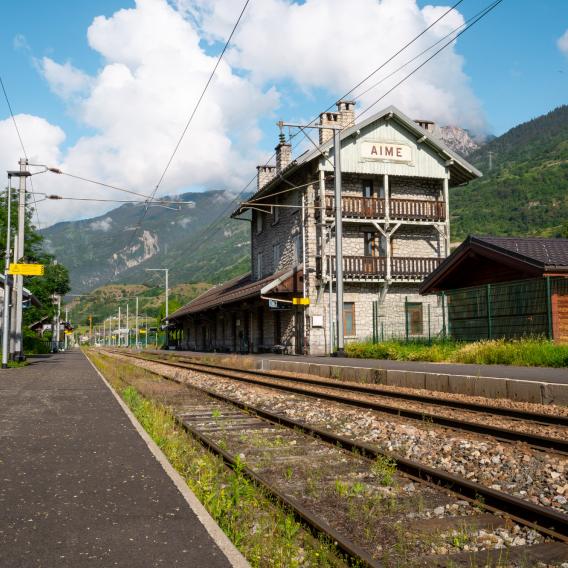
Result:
[56,277]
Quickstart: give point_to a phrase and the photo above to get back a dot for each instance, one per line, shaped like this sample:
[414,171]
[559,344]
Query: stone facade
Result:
[390,250]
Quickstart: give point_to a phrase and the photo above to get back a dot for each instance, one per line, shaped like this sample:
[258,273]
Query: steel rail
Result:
[543,519]
[538,442]
[551,419]
[304,515]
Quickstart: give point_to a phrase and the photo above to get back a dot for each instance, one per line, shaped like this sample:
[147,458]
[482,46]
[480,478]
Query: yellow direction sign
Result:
[26,269]
[301,301]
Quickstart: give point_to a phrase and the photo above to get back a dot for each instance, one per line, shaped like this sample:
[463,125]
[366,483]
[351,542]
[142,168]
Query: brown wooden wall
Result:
[560,317]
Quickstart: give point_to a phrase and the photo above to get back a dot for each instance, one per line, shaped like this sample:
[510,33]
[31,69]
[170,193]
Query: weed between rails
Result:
[266,533]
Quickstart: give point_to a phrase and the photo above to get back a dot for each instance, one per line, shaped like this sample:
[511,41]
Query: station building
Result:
[396,176]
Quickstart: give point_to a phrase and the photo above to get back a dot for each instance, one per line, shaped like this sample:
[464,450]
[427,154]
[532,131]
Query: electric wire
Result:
[204,235]
[483,13]
[21,143]
[193,113]
[383,79]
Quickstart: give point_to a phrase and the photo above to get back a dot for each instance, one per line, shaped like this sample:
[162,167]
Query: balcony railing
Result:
[375,267]
[355,207]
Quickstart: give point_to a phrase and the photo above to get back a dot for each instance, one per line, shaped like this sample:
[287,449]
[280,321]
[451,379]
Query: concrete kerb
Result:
[489,387]
[219,537]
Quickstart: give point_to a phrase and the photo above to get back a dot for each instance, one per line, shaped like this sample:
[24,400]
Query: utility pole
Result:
[127,327]
[6,314]
[118,329]
[136,337]
[146,328]
[166,270]
[66,320]
[338,226]
[19,253]
[338,241]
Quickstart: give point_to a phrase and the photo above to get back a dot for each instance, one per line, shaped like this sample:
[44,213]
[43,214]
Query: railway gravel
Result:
[539,477]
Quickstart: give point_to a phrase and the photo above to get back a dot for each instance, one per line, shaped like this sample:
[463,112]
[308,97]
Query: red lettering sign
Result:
[388,151]
[374,151]
[399,152]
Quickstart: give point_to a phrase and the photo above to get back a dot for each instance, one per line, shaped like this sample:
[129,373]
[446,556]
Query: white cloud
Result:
[333,44]
[64,80]
[562,43]
[103,225]
[154,67]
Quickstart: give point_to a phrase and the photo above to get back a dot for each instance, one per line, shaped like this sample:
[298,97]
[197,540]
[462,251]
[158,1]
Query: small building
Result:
[396,176]
[504,287]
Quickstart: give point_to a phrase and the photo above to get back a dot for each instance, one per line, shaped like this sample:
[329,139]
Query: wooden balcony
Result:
[375,267]
[355,207]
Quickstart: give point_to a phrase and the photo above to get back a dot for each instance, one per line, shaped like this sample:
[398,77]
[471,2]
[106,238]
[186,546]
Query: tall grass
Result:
[519,352]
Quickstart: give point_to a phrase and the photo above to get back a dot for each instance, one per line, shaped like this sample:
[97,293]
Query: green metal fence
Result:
[506,310]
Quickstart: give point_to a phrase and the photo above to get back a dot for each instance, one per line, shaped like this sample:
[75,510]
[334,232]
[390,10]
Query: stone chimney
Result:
[346,111]
[331,119]
[283,154]
[427,125]
[264,175]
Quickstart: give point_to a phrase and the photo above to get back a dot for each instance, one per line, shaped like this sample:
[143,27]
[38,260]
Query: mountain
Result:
[524,189]
[458,140]
[104,301]
[103,249]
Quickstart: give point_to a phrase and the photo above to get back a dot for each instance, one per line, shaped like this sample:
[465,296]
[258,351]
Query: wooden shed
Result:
[509,287]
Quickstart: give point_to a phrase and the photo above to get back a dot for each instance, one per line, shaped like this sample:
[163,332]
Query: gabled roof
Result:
[236,290]
[526,256]
[461,170]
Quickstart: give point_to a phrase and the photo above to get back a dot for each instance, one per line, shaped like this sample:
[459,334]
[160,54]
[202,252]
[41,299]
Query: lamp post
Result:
[166,270]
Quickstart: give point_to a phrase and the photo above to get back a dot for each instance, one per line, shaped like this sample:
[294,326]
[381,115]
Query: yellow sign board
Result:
[301,301]
[143,330]
[26,269]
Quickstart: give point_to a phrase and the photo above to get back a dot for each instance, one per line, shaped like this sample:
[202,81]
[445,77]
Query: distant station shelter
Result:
[396,175]
[504,287]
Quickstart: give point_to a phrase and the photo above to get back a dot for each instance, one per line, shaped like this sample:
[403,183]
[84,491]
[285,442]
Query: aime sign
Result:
[386,152]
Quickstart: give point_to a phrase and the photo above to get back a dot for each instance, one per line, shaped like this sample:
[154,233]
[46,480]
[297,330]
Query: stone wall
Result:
[390,318]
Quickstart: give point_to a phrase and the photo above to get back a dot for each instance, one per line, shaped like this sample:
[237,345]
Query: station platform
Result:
[82,486]
[543,385]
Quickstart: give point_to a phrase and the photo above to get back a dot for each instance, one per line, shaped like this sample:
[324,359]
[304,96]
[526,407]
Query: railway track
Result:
[347,393]
[283,445]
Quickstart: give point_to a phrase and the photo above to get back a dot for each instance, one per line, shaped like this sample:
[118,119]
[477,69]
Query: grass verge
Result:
[520,352]
[265,533]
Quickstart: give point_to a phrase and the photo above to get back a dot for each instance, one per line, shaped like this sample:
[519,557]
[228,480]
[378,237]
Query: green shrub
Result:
[520,352]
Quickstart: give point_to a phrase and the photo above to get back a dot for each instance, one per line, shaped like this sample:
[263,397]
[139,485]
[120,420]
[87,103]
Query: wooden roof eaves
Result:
[467,169]
[488,250]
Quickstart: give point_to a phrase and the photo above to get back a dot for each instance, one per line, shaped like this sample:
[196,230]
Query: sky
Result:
[103,89]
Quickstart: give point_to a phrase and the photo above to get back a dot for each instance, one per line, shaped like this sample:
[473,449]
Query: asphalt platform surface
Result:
[539,374]
[79,486]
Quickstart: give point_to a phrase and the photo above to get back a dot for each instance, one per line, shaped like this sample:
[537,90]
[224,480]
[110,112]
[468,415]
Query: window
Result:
[371,244]
[297,249]
[368,188]
[258,222]
[276,212]
[259,265]
[348,319]
[276,254]
[414,318]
